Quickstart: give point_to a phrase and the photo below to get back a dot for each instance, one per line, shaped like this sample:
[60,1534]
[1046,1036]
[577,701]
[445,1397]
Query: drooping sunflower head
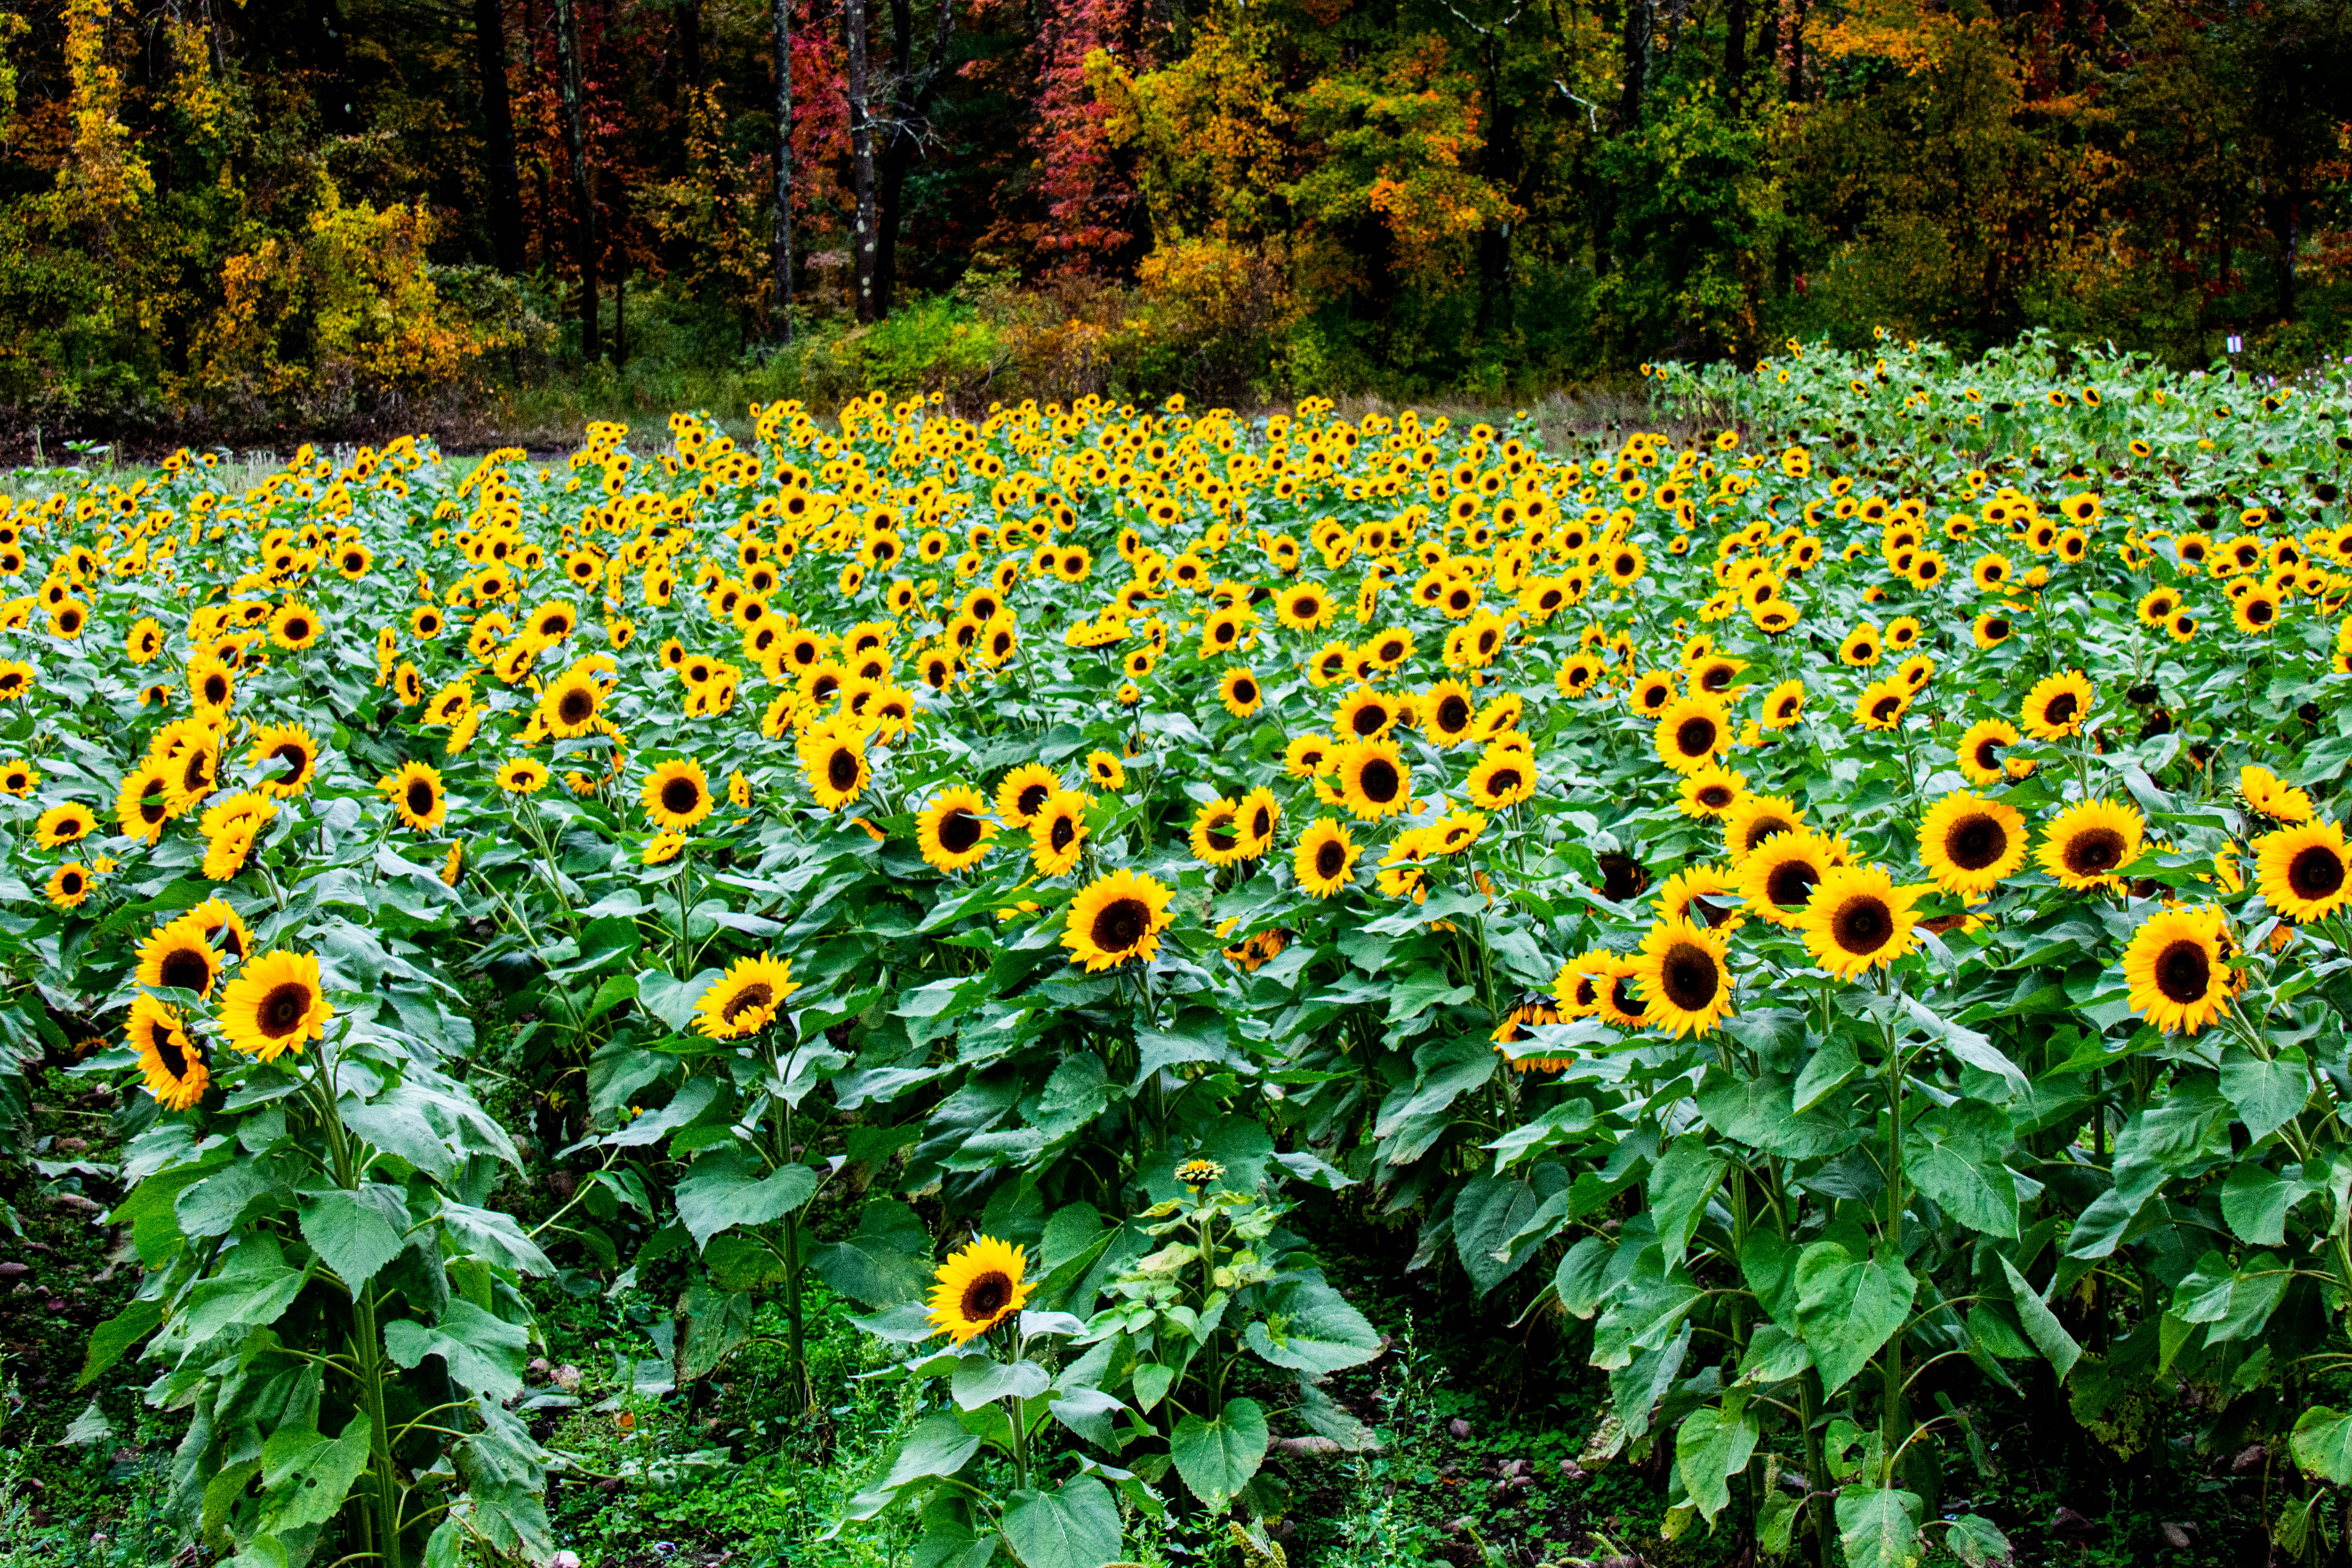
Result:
[274,1004]
[745,999]
[978,1288]
[2085,845]
[676,794]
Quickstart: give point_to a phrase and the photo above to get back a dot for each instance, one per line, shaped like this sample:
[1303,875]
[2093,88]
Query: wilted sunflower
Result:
[2057,706]
[274,1004]
[172,1063]
[1691,731]
[1115,918]
[1325,860]
[415,795]
[2178,966]
[1683,977]
[1058,833]
[2305,871]
[1858,920]
[1778,877]
[953,831]
[1969,844]
[2084,844]
[745,999]
[676,794]
[978,1288]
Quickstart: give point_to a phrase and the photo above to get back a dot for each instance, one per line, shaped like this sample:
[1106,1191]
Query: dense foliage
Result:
[340,213]
[1840,921]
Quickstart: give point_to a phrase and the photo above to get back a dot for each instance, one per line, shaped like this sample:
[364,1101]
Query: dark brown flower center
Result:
[282,1011]
[985,1297]
[1030,798]
[1120,924]
[1379,780]
[1976,841]
[1245,692]
[680,796]
[841,769]
[2184,971]
[420,797]
[1715,796]
[1690,976]
[1862,924]
[1791,882]
[1622,997]
[577,706]
[1987,753]
[167,1050]
[2316,872]
[1696,736]
[1370,718]
[1329,857]
[756,994]
[2061,710]
[959,831]
[186,969]
[2099,849]
[1064,834]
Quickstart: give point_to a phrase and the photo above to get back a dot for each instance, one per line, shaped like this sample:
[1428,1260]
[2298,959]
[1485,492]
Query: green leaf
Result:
[2322,1444]
[1848,1307]
[1076,1092]
[1581,1280]
[2255,1201]
[1714,1444]
[1487,1213]
[2041,1325]
[2267,1095]
[1978,1542]
[1075,1526]
[1879,1527]
[483,1352]
[1680,1184]
[938,1445]
[887,1261]
[351,1232]
[981,1378]
[673,1001]
[113,1338]
[1310,1327]
[1977,1192]
[722,1196]
[1218,1458]
[308,1475]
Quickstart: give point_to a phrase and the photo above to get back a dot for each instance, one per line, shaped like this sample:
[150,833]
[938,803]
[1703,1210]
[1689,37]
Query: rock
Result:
[2247,1459]
[564,1560]
[1459,1427]
[539,1366]
[1573,1470]
[565,1377]
[2176,1536]
[2075,1526]
[1315,1444]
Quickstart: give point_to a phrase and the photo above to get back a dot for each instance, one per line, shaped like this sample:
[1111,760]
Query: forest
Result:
[336,216]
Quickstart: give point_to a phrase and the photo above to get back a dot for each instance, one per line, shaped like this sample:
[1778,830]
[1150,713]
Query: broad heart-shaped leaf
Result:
[2322,1444]
[2256,1200]
[724,1194]
[1977,1541]
[1310,1327]
[1879,1527]
[2267,1095]
[1075,1526]
[1714,1444]
[114,1337]
[1977,1192]
[1848,1307]
[673,1001]
[2041,1324]
[483,1352]
[980,1379]
[938,1445]
[355,1233]
[307,1476]
[1680,1184]
[887,1261]
[1487,1213]
[1218,1458]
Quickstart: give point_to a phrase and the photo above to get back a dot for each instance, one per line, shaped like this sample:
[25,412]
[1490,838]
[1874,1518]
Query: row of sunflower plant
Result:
[1846,904]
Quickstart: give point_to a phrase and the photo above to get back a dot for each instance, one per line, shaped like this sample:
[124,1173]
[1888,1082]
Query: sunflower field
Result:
[1836,916]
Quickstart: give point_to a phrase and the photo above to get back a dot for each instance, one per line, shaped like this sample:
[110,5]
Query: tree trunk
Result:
[779,244]
[862,237]
[498,133]
[328,55]
[686,20]
[584,205]
[915,89]
[1735,55]
[1637,62]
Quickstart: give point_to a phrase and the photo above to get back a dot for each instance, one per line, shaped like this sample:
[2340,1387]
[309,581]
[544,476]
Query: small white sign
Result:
[2237,343]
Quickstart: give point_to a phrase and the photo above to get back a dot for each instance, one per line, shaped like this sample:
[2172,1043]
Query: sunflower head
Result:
[1117,918]
[676,794]
[2086,844]
[2177,967]
[979,1287]
[1858,920]
[274,1005]
[170,1059]
[745,999]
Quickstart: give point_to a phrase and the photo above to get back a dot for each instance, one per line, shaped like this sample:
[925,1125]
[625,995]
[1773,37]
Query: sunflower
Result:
[416,793]
[1373,780]
[1778,877]
[1883,703]
[69,885]
[1703,895]
[143,804]
[275,1004]
[1683,977]
[1024,792]
[953,831]
[1861,646]
[2057,706]
[1783,705]
[1325,860]
[2178,966]
[835,768]
[1058,832]
[2083,844]
[570,705]
[1505,776]
[1969,844]
[1858,920]
[1651,693]
[179,955]
[2304,872]
[662,849]
[2256,612]
[1364,714]
[745,999]
[1259,815]
[1241,692]
[1105,770]
[523,775]
[1619,996]
[172,1062]
[1447,715]
[676,794]
[1690,731]
[2266,794]
[1753,818]
[1992,628]
[1980,753]
[1216,833]
[1710,791]
[979,1287]
[1115,918]
[19,777]
[63,824]
[1582,982]
[296,754]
